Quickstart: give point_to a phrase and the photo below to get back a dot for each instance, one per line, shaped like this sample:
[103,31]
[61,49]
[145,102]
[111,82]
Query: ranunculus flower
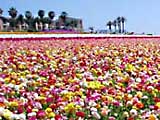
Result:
[41,114]
[80,114]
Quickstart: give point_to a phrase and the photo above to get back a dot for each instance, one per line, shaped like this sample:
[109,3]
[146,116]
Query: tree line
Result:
[32,23]
[119,22]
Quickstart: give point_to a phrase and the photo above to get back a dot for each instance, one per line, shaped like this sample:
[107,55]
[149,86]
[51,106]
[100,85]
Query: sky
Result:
[141,15]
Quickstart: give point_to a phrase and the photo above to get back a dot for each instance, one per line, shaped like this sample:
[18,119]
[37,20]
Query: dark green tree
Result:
[51,15]
[114,23]
[13,13]
[29,21]
[109,24]
[123,20]
[119,24]
[63,17]
[20,21]
[41,14]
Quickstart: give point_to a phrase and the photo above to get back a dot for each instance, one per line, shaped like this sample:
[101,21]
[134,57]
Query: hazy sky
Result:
[142,15]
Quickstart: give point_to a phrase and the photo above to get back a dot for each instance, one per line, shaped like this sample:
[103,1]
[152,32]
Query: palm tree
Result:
[29,21]
[119,24]
[51,15]
[41,14]
[63,16]
[20,21]
[114,23]
[123,20]
[28,15]
[13,13]
[1,11]
[109,24]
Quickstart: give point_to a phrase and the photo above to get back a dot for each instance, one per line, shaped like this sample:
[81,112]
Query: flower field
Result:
[83,79]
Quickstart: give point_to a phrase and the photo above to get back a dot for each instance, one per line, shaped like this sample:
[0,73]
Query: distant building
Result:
[70,24]
[3,23]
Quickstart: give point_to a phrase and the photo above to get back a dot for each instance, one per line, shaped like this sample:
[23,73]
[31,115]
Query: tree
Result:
[63,16]
[109,24]
[20,21]
[13,13]
[41,14]
[1,11]
[28,15]
[123,20]
[51,15]
[119,24]
[29,21]
[114,23]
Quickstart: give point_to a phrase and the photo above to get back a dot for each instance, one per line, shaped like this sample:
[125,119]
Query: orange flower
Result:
[139,105]
[2,104]
[152,117]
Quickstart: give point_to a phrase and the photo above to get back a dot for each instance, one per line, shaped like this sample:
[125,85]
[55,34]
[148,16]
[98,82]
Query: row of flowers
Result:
[77,80]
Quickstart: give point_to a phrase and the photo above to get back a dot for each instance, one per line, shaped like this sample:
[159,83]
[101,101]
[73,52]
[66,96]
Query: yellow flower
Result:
[79,75]
[51,115]
[48,110]
[71,80]
[78,107]
[13,104]
[130,67]
[68,95]
[70,107]
[139,94]
[7,79]
[95,85]
[109,98]
[158,104]
[34,110]
[7,114]
[41,98]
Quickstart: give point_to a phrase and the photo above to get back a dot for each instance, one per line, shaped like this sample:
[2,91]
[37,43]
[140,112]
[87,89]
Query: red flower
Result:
[140,105]
[58,117]
[156,99]
[80,114]
[131,118]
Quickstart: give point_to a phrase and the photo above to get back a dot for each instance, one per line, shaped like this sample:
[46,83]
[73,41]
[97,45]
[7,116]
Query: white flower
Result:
[129,103]
[22,116]
[150,88]
[92,103]
[96,115]
[31,114]
[145,97]
[93,109]
[125,114]
[138,80]
[1,111]
[133,112]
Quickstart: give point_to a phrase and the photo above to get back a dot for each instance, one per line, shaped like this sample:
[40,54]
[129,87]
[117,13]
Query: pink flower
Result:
[41,114]
[32,118]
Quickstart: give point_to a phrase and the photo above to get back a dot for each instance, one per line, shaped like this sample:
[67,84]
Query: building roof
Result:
[3,19]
